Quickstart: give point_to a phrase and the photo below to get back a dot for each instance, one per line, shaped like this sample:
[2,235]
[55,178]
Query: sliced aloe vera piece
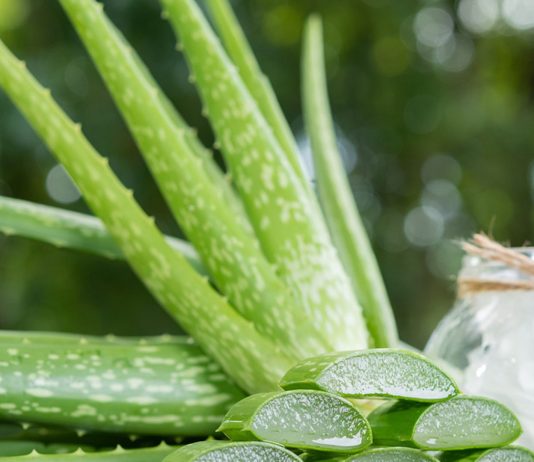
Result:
[226,451]
[509,454]
[463,422]
[373,373]
[379,455]
[302,419]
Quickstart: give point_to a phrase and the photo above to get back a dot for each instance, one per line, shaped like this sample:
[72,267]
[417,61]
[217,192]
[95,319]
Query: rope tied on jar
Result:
[486,248]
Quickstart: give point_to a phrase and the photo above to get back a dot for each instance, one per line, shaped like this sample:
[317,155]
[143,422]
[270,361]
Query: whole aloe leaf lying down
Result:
[159,385]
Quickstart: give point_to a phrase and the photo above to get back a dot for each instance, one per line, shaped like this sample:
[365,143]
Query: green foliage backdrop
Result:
[435,113]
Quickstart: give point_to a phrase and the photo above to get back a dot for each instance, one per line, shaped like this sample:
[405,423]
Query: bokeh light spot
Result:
[441,166]
[424,226]
[433,26]
[60,187]
[478,16]
[518,14]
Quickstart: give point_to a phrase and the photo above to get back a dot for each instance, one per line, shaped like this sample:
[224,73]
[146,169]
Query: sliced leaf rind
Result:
[381,373]
[225,451]
[303,419]
[463,422]
[508,454]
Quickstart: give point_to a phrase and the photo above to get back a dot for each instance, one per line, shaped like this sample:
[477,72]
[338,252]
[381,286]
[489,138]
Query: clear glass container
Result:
[488,339]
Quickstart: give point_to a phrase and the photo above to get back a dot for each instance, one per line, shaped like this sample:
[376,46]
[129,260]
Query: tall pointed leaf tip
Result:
[336,197]
[229,251]
[288,222]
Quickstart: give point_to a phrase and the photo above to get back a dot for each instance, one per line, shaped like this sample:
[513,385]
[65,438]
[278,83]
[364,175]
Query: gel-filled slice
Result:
[381,373]
[226,451]
[463,422]
[378,455]
[509,454]
[303,419]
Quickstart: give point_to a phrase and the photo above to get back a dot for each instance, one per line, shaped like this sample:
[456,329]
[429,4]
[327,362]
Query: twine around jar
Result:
[484,247]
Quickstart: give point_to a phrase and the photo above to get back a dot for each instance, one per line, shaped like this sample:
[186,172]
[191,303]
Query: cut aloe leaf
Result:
[159,386]
[463,422]
[226,451]
[72,230]
[312,420]
[155,454]
[510,454]
[384,373]
[379,455]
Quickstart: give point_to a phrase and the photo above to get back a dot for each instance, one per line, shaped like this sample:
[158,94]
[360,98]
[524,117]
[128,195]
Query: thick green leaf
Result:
[256,82]
[225,451]
[509,454]
[119,454]
[383,373]
[342,215]
[463,422]
[64,228]
[251,359]
[229,251]
[287,220]
[299,419]
[160,385]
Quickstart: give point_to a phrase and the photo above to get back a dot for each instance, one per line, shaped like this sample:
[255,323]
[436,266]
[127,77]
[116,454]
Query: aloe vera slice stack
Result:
[509,454]
[312,420]
[388,373]
[463,422]
[380,455]
[224,451]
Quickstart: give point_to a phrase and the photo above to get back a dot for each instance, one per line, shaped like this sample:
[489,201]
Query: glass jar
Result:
[488,337]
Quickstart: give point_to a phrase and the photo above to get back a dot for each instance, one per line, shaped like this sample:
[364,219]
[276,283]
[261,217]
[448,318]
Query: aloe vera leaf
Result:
[155,454]
[230,253]
[140,386]
[251,359]
[312,420]
[463,422]
[508,454]
[287,221]
[20,448]
[379,455]
[226,451]
[336,197]
[73,230]
[381,373]
[256,82]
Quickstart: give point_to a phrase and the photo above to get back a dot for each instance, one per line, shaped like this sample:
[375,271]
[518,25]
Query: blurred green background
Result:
[434,105]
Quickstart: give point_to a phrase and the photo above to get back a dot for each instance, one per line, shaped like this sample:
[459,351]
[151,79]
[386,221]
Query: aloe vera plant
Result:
[269,278]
